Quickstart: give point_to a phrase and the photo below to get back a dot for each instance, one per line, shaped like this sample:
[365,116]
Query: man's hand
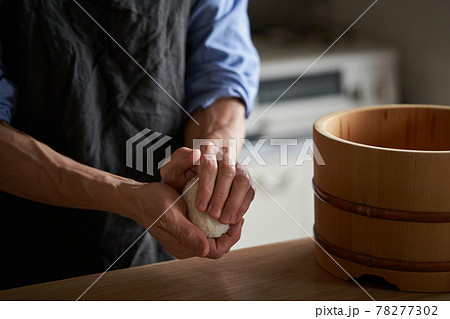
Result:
[173,230]
[225,187]
[50,178]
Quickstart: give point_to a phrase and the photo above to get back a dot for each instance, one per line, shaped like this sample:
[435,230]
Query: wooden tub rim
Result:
[319,127]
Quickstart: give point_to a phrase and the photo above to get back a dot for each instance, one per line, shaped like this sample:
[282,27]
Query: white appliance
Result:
[347,76]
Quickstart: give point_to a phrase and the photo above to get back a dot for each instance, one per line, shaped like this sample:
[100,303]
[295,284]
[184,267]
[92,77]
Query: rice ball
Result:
[210,226]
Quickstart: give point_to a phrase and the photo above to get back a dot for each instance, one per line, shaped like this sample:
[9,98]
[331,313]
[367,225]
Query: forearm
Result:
[225,119]
[225,188]
[32,170]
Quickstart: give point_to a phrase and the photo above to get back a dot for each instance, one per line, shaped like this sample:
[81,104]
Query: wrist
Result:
[125,199]
[224,120]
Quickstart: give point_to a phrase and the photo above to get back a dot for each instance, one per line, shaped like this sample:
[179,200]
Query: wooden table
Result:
[282,271]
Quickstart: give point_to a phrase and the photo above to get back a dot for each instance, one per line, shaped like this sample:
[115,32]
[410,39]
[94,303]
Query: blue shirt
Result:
[8,95]
[221,59]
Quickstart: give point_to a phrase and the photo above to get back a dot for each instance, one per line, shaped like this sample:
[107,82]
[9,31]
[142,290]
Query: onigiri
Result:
[210,226]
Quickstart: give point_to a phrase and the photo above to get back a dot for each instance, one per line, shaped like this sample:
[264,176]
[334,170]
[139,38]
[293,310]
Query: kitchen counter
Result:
[282,271]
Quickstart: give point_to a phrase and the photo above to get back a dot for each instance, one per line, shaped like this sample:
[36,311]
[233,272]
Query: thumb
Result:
[177,170]
[184,158]
[191,237]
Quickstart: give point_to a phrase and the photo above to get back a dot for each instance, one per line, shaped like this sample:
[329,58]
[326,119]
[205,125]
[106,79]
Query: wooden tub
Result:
[382,199]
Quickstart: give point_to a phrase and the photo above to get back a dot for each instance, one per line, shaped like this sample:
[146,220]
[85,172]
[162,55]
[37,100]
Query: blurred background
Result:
[398,52]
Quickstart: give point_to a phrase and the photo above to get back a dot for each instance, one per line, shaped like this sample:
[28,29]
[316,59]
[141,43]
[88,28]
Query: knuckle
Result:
[227,170]
[211,167]
[226,149]
[224,152]
[207,148]
[229,156]
[242,168]
[210,170]
[182,150]
[204,191]
[163,223]
[232,208]
[183,236]
[243,181]
[221,195]
[178,155]
[243,171]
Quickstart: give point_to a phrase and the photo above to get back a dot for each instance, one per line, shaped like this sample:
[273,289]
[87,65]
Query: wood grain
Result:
[381,213]
[387,171]
[383,177]
[283,271]
[405,280]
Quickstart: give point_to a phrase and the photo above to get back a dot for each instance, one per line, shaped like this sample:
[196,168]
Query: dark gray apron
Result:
[81,95]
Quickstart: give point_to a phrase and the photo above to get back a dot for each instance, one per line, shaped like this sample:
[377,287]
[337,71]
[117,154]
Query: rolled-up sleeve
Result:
[221,58]
[8,95]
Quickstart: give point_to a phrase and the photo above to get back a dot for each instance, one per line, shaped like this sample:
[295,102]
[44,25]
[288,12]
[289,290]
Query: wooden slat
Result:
[283,271]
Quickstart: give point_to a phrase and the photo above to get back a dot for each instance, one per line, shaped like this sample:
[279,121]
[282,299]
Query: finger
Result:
[188,235]
[173,245]
[239,189]
[245,205]
[225,176]
[183,158]
[178,169]
[220,246]
[207,172]
[193,238]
